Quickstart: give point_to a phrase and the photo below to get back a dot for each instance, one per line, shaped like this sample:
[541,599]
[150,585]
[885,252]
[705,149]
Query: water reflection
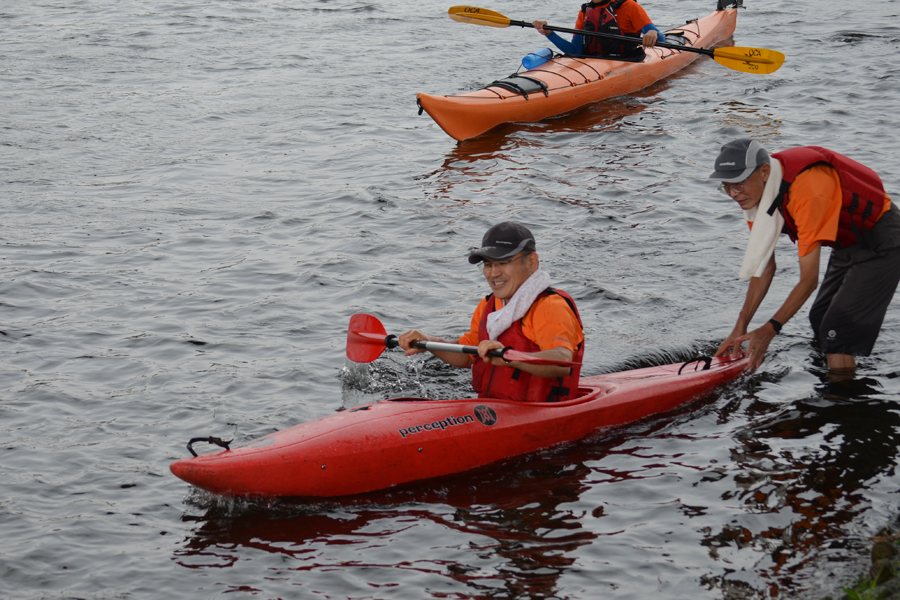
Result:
[745,119]
[599,116]
[515,521]
[489,161]
[806,466]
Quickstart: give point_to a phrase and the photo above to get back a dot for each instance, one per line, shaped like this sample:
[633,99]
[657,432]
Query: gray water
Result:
[197,196]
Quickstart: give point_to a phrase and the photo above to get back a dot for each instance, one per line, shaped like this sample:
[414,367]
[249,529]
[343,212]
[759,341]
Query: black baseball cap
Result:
[503,241]
[738,159]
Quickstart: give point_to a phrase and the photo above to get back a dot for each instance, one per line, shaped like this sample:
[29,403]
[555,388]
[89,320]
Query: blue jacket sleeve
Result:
[659,34]
[573,47]
[576,45]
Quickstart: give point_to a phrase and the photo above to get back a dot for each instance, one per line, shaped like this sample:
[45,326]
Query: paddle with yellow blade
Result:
[747,60]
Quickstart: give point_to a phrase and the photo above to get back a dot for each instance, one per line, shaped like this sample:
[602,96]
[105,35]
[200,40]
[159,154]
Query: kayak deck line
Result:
[661,53]
[402,440]
[470,114]
[617,68]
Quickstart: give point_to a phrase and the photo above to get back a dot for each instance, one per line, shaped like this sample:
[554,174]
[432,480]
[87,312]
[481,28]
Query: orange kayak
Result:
[563,84]
[401,440]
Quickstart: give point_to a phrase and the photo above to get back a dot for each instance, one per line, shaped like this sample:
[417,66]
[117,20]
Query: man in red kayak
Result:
[522,312]
[615,17]
[819,198]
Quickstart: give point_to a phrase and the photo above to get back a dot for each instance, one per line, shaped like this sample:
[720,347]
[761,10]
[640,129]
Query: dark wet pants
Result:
[857,288]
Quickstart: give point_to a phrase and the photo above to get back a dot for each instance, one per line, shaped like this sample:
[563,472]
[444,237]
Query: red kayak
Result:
[396,441]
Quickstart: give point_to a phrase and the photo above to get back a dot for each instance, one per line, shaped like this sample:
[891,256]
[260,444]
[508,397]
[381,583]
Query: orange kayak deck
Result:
[572,82]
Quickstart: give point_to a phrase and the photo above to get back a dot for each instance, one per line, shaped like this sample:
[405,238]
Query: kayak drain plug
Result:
[210,440]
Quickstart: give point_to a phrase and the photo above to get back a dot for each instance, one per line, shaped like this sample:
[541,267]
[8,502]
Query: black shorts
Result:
[857,288]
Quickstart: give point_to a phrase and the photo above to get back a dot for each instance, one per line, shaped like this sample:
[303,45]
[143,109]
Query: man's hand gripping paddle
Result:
[367,339]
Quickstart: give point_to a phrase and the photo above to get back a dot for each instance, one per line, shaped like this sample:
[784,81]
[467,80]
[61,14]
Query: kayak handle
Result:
[210,440]
[705,359]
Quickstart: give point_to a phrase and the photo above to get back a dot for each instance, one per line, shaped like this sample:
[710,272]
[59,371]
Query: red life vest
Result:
[513,384]
[862,193]
[602,19]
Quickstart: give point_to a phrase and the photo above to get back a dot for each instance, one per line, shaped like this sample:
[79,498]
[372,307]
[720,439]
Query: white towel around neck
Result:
[766,227]
[500,320]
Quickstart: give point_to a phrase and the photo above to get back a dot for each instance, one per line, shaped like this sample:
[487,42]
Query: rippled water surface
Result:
[196,197]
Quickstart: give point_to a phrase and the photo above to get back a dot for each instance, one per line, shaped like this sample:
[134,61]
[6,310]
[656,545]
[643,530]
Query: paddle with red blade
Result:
[367,339]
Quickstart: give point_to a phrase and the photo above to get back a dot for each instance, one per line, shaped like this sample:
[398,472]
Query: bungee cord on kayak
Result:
[210,440]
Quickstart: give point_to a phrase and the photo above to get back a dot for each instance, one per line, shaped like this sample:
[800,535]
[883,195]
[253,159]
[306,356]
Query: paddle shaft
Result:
[391,341]
[367,339]
[620,38]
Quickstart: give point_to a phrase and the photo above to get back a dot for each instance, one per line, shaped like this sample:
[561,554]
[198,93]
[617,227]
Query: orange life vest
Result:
[862,193]
[602,19]
[513,384]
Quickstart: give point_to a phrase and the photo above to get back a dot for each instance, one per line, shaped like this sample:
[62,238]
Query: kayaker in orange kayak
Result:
[616,17]
[820,198]
[523,313]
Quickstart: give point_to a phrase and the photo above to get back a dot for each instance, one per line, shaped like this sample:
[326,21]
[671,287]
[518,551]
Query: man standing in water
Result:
[819,198]
[522,312]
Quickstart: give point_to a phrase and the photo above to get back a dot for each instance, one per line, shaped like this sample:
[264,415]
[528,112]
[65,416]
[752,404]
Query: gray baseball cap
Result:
[502,241]
[738,159]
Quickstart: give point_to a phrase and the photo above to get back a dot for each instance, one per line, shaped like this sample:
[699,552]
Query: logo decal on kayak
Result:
[485,414]
[442,425]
